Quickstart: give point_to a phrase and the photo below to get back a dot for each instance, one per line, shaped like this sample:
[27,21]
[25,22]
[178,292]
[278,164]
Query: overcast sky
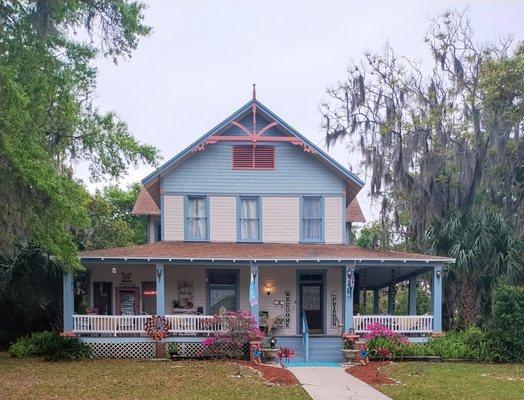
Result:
[202,57]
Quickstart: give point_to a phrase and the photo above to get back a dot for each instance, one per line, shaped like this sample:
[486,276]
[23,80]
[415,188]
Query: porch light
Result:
[268,290]
[113,270]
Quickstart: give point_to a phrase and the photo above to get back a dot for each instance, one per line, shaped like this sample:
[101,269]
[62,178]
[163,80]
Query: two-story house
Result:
[253,217]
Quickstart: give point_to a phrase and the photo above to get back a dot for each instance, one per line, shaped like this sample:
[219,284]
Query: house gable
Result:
[256,124]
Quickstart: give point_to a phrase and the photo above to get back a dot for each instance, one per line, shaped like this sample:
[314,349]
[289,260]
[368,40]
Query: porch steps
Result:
[322,349]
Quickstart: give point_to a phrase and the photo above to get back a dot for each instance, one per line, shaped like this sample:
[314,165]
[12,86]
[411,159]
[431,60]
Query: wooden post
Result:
[349,285]
[69,303]
[436,298]
[253,292]
[376,301]
[160,289]
[412,295]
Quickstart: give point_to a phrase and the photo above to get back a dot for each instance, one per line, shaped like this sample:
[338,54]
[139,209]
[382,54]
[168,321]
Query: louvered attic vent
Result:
[253,157]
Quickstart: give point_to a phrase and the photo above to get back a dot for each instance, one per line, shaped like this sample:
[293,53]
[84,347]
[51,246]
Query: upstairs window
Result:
[253,157]
[312,219]
[197,218]
[249,227]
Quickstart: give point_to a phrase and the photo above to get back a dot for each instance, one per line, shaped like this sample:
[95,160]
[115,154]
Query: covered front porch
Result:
[287,296]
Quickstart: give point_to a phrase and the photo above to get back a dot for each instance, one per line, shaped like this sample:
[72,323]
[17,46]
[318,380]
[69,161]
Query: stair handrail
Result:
[305,335]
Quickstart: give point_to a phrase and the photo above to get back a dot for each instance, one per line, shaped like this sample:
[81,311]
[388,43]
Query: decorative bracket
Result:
[254,136]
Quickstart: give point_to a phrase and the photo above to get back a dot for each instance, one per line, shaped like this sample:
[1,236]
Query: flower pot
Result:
[350,354]
[270,354]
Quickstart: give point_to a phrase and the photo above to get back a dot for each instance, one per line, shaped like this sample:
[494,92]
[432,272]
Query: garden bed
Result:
[272,374]
[371,373]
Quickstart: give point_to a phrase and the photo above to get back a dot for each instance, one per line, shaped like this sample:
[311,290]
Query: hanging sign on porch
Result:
[334,309]
[287,308]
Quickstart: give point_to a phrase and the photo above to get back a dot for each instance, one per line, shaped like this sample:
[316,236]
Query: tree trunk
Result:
[467,304]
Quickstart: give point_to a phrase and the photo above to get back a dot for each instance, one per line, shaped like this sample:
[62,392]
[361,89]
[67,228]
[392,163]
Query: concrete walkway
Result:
[325,383]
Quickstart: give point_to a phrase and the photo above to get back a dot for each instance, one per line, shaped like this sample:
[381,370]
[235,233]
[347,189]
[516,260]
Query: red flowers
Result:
[383,353]
[284,354]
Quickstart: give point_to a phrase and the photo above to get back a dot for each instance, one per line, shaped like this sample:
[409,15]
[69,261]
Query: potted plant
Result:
[349,349]
[269,348]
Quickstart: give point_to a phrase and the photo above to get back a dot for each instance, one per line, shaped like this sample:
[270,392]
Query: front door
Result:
[312,301]
[127,301]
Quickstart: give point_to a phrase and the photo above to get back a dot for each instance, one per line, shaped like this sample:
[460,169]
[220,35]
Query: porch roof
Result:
[218,251]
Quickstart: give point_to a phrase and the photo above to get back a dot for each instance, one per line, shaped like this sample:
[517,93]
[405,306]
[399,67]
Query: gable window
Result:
[253,157]
[249,221]
[312,220]
[197,218]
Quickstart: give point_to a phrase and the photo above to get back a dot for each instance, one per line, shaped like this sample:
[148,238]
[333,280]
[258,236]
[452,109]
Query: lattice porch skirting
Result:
[123,350]
[147,349]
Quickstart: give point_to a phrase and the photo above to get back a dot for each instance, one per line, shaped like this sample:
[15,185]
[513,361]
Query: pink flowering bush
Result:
[376,330]
[238,328]
[383,341]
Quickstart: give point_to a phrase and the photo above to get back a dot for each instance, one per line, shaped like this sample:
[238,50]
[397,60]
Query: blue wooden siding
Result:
[210,171]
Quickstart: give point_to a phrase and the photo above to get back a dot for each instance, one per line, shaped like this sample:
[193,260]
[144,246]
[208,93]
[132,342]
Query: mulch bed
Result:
[371,373]
[272,374]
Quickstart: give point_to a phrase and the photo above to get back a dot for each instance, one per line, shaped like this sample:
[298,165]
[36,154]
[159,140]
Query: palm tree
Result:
[30,289]
[486,250]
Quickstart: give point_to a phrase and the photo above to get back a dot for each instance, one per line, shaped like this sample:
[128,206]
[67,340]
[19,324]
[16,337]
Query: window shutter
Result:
[265,157]
[253,157]
[242,157]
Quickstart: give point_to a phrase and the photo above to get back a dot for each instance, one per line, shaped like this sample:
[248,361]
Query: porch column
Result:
[253,292]
[349,285]
[412,296]
[376,299]
[391,299]
[436,298]
[69,302]
[160,289]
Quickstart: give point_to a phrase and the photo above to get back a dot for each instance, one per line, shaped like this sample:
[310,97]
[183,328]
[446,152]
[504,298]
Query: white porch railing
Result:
[397,323]
[135,324]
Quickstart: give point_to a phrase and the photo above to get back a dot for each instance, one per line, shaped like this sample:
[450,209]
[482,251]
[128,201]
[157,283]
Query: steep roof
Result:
[354,212]
[145,204]
[354,184]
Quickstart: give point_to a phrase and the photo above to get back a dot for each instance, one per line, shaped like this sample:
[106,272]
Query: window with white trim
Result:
[312,219]
[249,224]
[196,218]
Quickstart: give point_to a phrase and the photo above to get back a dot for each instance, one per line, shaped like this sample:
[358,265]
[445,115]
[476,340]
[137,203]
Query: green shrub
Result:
[173,350]
[50,346]
[450,346]
[66,349]
[22,348]
[471,344]
[505,332]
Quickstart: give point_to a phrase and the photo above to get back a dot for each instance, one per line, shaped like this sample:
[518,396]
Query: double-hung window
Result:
[249,221]
[312,223]
[197,224]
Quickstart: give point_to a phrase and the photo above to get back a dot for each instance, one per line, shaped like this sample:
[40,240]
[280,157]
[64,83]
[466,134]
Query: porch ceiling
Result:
[376,278]
[257,252]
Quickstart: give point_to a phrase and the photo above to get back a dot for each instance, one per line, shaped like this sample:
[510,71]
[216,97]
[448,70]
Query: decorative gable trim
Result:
[254,137]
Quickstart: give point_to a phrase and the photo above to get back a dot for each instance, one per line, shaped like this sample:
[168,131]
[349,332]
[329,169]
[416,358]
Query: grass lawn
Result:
[129,379]
[455,381]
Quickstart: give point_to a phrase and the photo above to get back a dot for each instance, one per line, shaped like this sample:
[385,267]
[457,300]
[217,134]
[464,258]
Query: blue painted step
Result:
[322,349]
